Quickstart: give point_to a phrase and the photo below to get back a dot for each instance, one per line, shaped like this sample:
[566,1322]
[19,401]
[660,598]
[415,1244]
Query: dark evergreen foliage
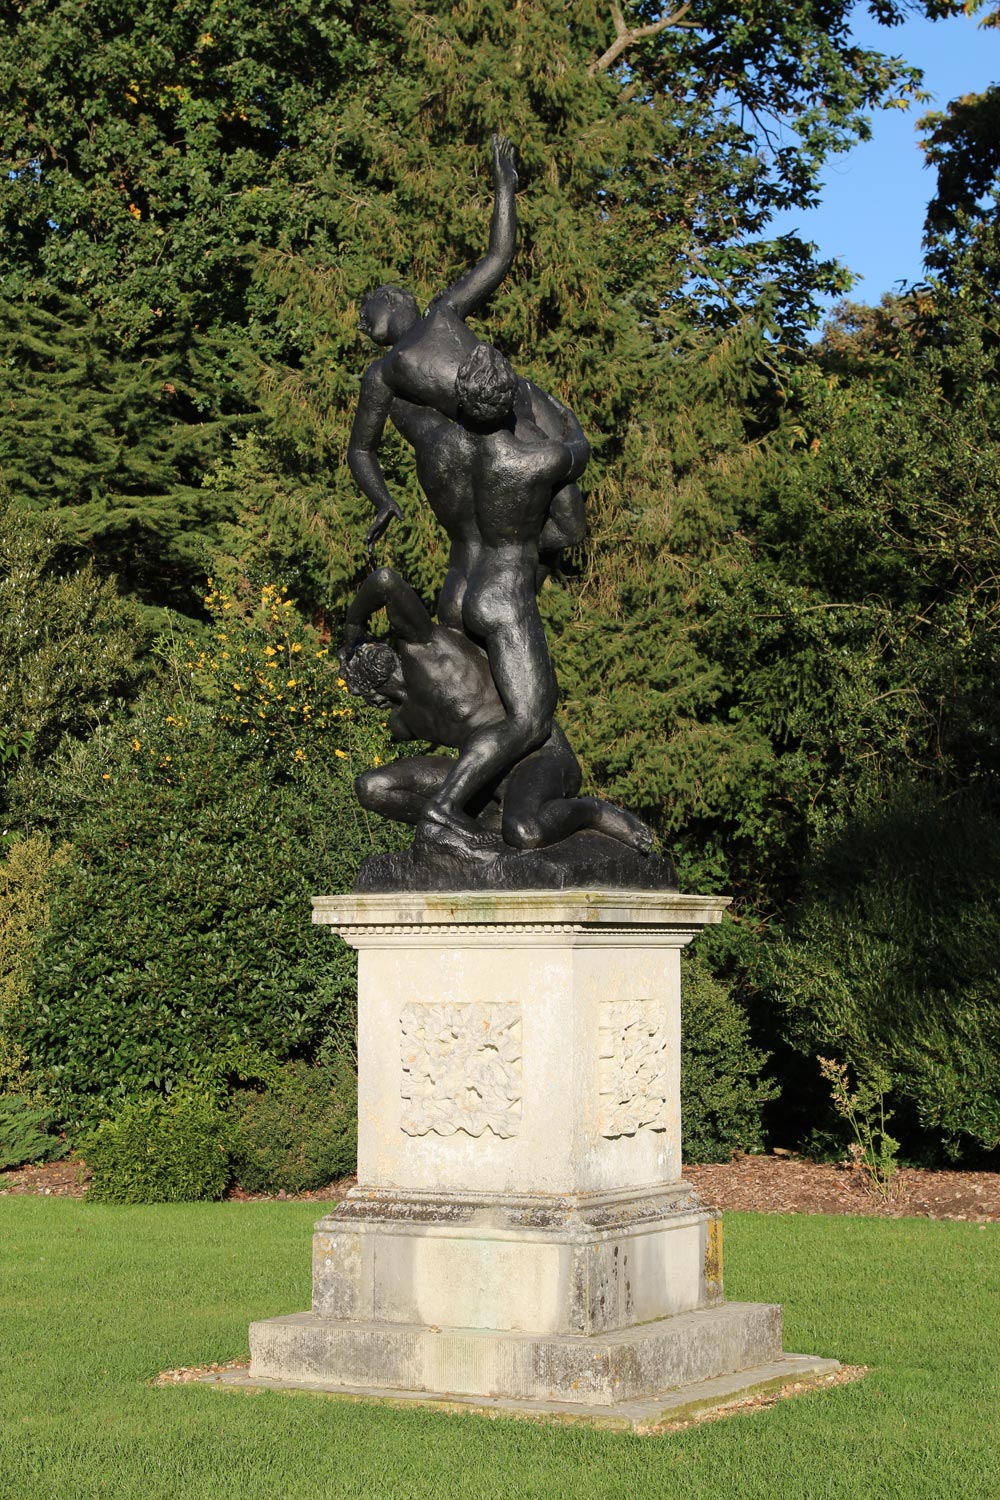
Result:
[118,443]
[790,579]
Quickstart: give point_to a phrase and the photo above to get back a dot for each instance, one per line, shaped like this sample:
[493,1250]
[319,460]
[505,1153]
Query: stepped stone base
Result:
[596,1371]
[685,1404]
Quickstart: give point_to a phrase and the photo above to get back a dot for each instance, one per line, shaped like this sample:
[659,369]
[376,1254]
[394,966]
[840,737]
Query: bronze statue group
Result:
[498,461]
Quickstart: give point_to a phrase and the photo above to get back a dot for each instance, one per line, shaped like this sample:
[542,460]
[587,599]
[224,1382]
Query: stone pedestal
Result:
[520,1229]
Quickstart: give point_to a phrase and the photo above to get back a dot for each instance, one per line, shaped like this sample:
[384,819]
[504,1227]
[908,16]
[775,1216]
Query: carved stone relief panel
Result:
[461,1068]
[634,1068]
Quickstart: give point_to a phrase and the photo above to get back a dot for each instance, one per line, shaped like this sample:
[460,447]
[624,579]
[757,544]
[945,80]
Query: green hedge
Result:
[892,966]
[159,1150]
[300,1132]
[722,1090]
[25,1135]
[200,827]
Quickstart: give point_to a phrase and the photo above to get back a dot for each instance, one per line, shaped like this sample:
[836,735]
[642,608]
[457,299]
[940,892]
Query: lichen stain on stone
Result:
[713,1258]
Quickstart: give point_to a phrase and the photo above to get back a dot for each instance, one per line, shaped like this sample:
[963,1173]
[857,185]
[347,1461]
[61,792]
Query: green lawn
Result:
[95,1300]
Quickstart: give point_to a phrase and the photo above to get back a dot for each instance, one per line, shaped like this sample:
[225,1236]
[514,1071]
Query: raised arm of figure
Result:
[416,423]
[477,285]
[549,413]
[374,405]
[409,618]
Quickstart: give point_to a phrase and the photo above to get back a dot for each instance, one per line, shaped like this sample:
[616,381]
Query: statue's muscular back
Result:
[513,478]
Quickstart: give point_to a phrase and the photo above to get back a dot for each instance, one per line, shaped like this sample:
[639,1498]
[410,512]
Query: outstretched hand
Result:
[380,525]
[504,161]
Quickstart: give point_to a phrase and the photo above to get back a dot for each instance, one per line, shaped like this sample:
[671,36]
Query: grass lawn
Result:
[94,1301]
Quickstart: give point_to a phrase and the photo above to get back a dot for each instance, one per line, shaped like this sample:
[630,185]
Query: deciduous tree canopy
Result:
[781,629]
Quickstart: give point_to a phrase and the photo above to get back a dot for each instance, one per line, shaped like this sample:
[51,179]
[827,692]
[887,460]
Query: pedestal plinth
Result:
[520,1229]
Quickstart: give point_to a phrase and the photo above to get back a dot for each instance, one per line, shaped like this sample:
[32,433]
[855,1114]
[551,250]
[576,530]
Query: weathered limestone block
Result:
[497,1266]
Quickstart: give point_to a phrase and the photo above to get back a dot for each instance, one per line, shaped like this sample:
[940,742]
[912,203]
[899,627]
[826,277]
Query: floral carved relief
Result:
[634,1068]
[461,1068]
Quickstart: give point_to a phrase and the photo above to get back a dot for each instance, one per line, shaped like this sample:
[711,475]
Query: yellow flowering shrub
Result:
[271,679]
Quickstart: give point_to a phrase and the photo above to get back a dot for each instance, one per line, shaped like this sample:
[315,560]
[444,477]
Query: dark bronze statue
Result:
[498,460]
[438,687]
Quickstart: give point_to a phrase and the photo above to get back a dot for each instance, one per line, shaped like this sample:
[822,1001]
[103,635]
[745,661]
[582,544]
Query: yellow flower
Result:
[300,754]
[270,651]
[340,754]
[341,683]
[136,745]
[291,682]
[296,645]
[105,777]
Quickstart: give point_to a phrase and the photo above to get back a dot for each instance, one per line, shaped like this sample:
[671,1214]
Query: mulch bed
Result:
[790,1185]
[782,1184]
[70,1179]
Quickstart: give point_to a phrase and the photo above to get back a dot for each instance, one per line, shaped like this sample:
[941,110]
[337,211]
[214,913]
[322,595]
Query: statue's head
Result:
[387,313]
[485,386]
[369,671]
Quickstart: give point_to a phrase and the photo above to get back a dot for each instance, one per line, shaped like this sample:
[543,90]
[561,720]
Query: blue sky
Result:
[874,197]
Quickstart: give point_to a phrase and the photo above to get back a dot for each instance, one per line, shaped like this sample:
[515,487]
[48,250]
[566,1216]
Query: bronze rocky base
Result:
[585,861]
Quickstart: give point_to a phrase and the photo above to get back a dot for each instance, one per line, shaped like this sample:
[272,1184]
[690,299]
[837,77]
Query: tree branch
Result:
[626,35]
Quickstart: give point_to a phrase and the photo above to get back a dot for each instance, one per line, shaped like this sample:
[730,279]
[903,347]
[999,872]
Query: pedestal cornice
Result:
[567,917]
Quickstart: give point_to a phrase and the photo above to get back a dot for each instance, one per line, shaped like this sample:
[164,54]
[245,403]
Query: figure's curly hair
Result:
[397,298]
[485,384]
[368,669]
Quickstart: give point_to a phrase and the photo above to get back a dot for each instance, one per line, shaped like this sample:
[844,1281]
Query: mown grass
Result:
[94,1301]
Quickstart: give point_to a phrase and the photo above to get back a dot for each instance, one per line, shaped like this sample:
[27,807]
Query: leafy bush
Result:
[181,926]
[159,1150]
[300,1133]
[892,965]
[24,1134]
[722,1092]
[24,913]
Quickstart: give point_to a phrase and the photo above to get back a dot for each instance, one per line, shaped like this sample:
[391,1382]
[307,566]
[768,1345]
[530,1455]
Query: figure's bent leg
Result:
[522,671]
[539,807]
[402,791]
